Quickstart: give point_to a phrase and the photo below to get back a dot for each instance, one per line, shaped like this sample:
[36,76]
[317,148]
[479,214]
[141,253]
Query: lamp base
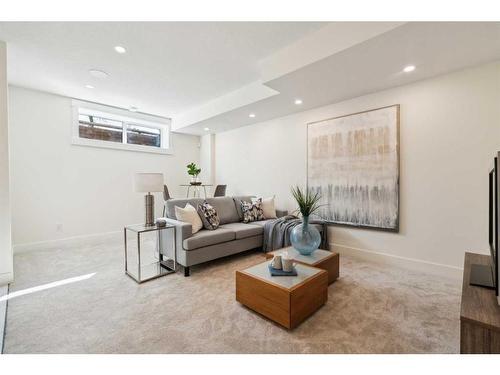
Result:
[149,200]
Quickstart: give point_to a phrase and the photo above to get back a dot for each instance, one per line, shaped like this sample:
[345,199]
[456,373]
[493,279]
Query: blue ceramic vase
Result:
[305,238]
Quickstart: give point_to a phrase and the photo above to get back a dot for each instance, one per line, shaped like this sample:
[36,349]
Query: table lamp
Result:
[147,183]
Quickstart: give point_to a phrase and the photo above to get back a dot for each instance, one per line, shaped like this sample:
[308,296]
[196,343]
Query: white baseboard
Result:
[65,242]
[409,263]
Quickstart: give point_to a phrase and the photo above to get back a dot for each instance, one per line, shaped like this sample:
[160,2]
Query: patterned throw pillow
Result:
[208,216]
[252,211]
[267,207]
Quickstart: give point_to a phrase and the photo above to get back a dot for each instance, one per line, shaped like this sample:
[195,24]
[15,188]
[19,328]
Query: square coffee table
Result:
[287,300]
[323,259]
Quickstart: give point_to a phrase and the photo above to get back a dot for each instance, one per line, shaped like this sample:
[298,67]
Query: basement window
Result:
[101,126]
[142,135]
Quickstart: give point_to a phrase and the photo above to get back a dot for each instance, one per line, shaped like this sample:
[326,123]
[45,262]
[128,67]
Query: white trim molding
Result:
[76,141]
[439,269]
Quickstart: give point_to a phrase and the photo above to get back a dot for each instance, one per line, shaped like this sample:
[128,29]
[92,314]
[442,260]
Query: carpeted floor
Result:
[372,308]
[3,310]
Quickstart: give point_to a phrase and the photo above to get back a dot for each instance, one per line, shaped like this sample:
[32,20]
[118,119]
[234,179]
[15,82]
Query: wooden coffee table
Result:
[323,259]
[287,300]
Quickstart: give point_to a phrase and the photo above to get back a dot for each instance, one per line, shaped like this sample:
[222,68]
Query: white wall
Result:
[207,159]
[5,218]
[86,189]
[449,132]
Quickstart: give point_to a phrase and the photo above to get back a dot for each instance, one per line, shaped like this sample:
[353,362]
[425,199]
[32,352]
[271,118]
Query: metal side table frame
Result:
[196,189]
[165,266]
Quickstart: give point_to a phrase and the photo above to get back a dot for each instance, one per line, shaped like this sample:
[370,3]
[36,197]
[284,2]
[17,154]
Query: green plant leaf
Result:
[307,200]
[193,169]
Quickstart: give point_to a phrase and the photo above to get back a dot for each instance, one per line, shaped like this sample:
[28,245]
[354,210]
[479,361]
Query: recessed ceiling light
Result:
[98,73]
[298,101]
[89,86]
[409,68]
[251,115]
[206,129]
[120,49]
[133,109]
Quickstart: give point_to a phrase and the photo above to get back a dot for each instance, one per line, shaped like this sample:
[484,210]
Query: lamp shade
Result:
[148,182]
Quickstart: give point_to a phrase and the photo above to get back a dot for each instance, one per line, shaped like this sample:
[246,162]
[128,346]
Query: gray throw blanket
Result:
[277,232]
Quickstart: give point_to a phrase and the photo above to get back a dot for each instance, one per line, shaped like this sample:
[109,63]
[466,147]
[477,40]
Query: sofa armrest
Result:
[281,213]
[182,231]
[185,229]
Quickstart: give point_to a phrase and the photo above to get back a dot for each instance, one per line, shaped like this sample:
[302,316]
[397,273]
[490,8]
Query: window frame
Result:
[128,119]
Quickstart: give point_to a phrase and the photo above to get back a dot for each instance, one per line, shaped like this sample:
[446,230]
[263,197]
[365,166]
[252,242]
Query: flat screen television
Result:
[481,275]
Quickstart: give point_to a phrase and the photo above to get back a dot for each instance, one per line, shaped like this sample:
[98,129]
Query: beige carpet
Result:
[3,310]
[372,308]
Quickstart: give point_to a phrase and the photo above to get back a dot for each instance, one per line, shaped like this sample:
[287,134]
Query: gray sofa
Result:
[233,236]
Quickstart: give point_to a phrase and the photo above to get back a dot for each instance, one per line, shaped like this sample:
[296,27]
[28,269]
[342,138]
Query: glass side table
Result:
[150,264]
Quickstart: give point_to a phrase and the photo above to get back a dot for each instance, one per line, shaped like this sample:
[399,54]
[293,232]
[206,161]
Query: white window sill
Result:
[120,146]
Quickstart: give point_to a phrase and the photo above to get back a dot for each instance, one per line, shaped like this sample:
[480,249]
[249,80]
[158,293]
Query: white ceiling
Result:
[169,67]
[371,65]
[213,75]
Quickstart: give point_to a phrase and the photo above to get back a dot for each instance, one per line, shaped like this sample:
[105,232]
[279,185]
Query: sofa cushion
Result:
[260,223]
[209,216]
[189,215]
[252,211]
[267,207]
[208,237]
[243,230]
[225,209]
[237,204]
[180,202]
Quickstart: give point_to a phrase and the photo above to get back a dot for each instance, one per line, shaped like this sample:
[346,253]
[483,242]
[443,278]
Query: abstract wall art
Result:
[353,161]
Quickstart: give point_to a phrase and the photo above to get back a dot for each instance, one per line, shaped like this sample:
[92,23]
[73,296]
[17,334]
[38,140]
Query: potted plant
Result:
[193,171]
[305,238]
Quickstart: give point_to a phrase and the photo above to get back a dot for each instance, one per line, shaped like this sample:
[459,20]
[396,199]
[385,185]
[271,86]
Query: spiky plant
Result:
[307,200]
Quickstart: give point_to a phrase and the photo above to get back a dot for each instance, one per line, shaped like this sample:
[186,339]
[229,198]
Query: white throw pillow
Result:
[267,207]
[189,215]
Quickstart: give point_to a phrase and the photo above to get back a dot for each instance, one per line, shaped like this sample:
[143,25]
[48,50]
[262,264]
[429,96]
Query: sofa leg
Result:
[186,271]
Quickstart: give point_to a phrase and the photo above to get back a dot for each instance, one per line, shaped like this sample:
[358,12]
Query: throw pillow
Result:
[189,215]
[209,216]
[237,202]
[267,207]
[252,211]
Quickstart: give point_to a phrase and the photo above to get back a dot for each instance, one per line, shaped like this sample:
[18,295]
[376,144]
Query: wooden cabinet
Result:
[479,313]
